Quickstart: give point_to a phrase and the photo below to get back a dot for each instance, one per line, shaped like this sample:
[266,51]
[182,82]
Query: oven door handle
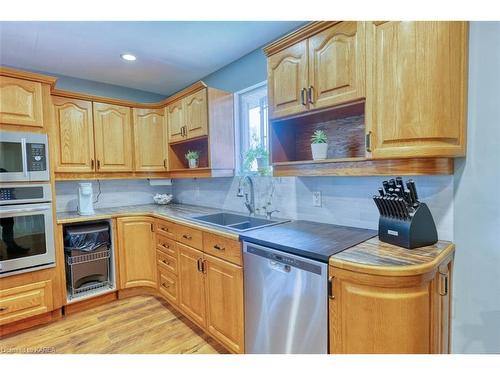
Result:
[42,207]
[24,157]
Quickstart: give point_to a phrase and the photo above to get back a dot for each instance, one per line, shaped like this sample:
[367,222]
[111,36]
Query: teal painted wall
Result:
[476,289]
[242,73]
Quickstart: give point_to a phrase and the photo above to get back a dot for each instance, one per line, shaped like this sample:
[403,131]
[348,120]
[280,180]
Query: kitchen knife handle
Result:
[377,203]
[414,189]
[385,184]
[381,192]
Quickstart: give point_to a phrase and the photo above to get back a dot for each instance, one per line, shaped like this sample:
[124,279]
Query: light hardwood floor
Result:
[141,324]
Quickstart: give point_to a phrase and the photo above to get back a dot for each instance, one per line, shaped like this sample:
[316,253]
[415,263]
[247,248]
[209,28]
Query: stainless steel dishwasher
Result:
[286,302]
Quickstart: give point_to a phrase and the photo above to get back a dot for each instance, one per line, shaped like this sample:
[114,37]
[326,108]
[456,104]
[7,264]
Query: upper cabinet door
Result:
[150,137]
[175,120]
[113,138]
[20,102]
[74,134]
[287,81]
[337,65]
[196,117]
[417,86]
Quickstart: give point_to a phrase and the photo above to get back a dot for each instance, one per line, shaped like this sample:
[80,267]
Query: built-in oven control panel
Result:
[37,160]
[28,193]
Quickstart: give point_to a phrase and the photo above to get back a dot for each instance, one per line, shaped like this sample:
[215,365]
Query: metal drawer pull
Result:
[310,94]
[164,229]
[218,247]
[303,94]
[4,308]
[167,246]
[165,262]
[187,236]
[330,288]
[165,285]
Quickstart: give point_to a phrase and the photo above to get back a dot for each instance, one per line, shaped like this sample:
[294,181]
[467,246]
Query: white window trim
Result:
[237,127]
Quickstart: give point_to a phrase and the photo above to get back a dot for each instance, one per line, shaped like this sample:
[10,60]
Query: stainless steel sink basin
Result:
[239,223]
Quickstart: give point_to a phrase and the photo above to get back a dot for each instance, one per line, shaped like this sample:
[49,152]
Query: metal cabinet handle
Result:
[165,245]
[303,94]
[3,308]
[91,163]
[204,266]
[165,262]
[199,264]
[98,164]
[165,163]
[310,94]
[368,142]
[330,287]
[218,247]
[443,290]
[166,286]
[164,229]
[187,236]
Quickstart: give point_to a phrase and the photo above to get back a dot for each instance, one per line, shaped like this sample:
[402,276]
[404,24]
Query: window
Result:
[252,130]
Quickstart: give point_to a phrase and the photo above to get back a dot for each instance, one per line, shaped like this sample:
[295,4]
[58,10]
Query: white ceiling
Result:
[170,54]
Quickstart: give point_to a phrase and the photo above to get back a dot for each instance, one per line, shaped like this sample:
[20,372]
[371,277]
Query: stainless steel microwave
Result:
[23,156]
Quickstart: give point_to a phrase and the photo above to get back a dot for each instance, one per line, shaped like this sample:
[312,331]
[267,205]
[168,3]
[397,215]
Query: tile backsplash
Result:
[345,200]
[114,193]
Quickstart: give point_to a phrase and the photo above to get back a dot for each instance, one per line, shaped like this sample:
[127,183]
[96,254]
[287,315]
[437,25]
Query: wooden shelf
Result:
[366,167]
[188,140]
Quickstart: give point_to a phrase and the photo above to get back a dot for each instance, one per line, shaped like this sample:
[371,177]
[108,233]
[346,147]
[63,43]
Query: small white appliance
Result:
[85,199]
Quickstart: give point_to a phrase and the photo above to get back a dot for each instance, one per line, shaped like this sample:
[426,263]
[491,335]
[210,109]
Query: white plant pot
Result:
[319,150]
[193,163]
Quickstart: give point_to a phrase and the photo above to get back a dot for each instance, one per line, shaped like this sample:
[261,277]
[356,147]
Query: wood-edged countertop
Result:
[177,213]
[379,258]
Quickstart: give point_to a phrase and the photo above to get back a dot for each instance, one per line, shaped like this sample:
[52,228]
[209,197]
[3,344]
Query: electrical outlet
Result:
[317,198]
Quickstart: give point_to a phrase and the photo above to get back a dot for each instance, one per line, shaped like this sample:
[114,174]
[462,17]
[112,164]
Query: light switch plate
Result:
[317,198]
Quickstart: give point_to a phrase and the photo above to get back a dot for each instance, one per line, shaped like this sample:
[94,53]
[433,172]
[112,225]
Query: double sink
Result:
[239,223]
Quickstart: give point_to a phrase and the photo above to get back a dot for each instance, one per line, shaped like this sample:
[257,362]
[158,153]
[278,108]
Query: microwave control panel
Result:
[37,158]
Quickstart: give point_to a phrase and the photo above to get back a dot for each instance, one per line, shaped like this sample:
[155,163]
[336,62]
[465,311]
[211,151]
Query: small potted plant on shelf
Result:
[319,145]
[192,158]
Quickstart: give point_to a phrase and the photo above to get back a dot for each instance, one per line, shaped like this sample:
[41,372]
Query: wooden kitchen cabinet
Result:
[403,308]
[74,135]
[136,252]
[150,140]
[192,284]
[113,138]
[287,81]
[417,88]
[224,302]
[195,109]
[21,102]
[175,119]
[337,65]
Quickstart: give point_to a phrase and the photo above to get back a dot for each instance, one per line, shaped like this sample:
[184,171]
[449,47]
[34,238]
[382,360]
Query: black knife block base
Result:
[418,231]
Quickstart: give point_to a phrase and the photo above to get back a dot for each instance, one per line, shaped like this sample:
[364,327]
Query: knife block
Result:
[419,230]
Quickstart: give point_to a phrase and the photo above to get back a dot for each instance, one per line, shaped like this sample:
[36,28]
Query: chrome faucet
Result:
[249,203]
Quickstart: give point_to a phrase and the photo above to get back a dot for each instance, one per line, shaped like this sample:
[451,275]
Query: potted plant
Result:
[256,153]
[192,158]
[319,145]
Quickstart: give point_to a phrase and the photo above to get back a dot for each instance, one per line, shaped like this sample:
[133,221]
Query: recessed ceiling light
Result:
[128,57]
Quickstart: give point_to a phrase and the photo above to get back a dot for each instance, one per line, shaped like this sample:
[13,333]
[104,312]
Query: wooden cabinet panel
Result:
[196,115]
[136,252]
[224,296]
[175,120]
[113,138]
[287,79]
[166,244]
[337,65]
[417,86]
[190,236]
[168,286]
[74,130]
[191,284]
[150,136]
[166,228]
[222,247]
[167,261]
[21,102]
[25,301]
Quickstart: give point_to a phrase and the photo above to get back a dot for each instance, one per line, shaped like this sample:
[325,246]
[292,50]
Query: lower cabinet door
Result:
[191,284]
[224,296]
[136,252]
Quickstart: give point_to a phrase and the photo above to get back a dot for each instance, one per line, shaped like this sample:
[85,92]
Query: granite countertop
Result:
[314,240]
[380,258]
[180,213]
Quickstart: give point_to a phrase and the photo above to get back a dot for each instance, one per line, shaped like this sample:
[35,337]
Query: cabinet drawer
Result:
[166,228]
[167,261]
[166,245]
[168,286]
[190,236]
[222,247]
[25,301]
